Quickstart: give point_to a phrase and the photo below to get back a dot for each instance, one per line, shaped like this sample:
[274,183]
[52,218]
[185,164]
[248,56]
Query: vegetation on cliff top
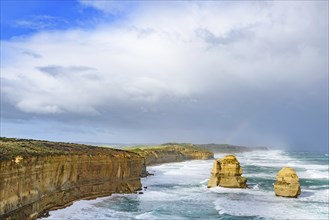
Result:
[216,148]
[229,148]
[159,154]
[179,149]
[12,147]
[166,147]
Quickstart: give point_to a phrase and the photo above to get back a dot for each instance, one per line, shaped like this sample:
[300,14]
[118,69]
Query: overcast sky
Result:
[250,73]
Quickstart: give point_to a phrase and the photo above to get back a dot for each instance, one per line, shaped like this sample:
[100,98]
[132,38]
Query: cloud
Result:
[31,53]
[109,7]
[38,22]
[56,70]
[192,71]
[210,38]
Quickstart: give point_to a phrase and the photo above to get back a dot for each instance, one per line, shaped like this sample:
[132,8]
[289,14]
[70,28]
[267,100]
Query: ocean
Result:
[179,191]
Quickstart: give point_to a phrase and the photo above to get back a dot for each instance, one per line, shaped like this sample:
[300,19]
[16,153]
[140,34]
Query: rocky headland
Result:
[171,153]
[287,183]
[38,176]
[226,172]
[229,148]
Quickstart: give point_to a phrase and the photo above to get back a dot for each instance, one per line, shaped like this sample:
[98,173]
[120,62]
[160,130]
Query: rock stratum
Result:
[287,183]
[226,172]
[38,176]
[171,153]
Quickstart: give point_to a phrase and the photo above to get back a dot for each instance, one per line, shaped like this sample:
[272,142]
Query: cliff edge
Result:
[229,148]
[38,176]
[171,153]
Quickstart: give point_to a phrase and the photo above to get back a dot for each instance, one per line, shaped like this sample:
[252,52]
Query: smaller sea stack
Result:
[287,183]
[226,172]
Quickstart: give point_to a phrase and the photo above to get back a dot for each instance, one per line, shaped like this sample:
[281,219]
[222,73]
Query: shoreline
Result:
[40,176]
[178,189]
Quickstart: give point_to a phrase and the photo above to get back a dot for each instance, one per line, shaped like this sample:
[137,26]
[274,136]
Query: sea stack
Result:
[287,183]
[226,172]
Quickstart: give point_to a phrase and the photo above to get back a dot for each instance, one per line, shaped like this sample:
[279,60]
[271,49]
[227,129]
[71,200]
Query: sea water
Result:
[179,191]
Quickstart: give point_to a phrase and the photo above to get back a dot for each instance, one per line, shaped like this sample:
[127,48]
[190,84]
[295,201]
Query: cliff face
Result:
[34,183]
[173,153]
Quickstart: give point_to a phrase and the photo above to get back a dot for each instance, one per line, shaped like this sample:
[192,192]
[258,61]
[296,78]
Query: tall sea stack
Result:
[226,172]
[287,183]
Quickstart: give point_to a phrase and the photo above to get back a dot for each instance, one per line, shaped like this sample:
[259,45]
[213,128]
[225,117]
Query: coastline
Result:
[169,153]
[179,191]
[39,176]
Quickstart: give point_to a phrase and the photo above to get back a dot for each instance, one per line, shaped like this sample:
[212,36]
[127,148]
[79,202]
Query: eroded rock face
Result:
[31,186]
[226,172]
[287,183]
[172,154]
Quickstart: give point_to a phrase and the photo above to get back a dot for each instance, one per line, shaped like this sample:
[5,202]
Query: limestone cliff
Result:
[226,172]
[38,176]
[172,153]
[287,183]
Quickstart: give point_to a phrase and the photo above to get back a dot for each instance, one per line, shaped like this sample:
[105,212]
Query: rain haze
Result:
[249,73]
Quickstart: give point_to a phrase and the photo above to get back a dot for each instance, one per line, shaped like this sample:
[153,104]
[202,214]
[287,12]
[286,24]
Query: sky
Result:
[252,73]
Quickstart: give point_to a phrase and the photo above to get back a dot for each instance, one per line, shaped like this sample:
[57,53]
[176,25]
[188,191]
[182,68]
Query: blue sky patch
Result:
[27,17]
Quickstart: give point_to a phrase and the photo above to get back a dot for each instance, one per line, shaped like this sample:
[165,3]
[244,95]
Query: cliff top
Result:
[12,147]
[166,147]
[216,148]
[229,148]
[159,154]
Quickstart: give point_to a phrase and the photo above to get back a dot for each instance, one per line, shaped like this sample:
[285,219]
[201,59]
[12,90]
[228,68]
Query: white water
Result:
[179,191]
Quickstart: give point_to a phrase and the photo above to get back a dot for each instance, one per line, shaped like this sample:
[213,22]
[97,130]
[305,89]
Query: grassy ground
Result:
[167,146]
[12,147]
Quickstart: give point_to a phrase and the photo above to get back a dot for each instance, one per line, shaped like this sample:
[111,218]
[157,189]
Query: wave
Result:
[146,215]
[242,203]
[318,187]
[153,215]
[314,174]
[315,195]
[86,210]
[305,174]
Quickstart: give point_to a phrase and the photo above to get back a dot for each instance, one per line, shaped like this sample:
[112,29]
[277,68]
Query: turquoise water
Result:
[179,191]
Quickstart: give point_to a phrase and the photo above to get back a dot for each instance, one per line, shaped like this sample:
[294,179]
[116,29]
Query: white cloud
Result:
[38,22]
[177,52]
[110,7]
